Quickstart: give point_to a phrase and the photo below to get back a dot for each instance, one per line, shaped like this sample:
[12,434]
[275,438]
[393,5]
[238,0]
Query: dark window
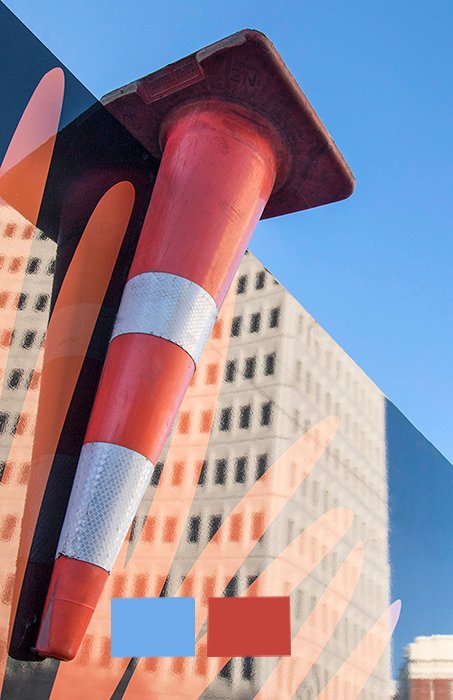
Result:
[3,421]
[225,672]
[230,371]
[194,528]
[236,326]
[240,470]
[261,465]
[266,413]
[22,301]
[242,284]
[231,589]
[51,267]
[41,302]
[225,419]
[156,473]
[247,668]
[215,522]
[14,378]
[203,470]
[259,280]
[33,266]
[244,416]
[255,322]
[28,339]
[220,471]
[250,367]
[269,364]
[274,317]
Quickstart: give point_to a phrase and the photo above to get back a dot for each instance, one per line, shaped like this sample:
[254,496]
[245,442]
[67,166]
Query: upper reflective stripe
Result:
[167,306]
[109,484]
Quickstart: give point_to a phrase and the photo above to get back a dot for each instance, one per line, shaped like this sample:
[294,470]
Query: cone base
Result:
[74,591]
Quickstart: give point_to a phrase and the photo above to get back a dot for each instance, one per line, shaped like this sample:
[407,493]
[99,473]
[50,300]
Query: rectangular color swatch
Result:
[249,626]
[153,627]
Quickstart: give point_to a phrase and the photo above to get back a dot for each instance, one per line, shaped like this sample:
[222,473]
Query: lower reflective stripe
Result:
[167,306]
[109,484]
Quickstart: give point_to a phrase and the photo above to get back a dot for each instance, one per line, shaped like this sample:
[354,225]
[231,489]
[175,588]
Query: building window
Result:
[261,465]
[220,471]
[247,668]
[260,279]
[3,421]
[177,476]
[230,371]
[28,339]
[206,421]
[212,373]
[241,285]
[250,367]
[244,416]
[274,317]
[33,266]
[215,522]
[22,301]
[203,470]
[15,378]
[240,470]
[266,413]
[41,302]
[225,419]
[156,473]
[194,529]
[225,672]
[170,528]
[231,589]
[269,364]
[236,524]
[255,323]
[236,326]
[184,422]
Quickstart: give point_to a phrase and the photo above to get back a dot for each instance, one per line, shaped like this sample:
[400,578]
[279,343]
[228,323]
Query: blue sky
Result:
[375,271]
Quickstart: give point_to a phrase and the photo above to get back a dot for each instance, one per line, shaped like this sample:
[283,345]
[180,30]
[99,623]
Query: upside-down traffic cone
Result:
[227,149]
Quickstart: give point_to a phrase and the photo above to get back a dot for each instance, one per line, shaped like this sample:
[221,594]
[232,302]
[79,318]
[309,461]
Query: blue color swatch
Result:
[153,627]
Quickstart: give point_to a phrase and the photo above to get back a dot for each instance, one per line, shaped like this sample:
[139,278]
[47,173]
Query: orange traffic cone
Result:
[236,133]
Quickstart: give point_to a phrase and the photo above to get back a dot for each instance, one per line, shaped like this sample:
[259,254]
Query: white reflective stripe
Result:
[167,306]
[109,484]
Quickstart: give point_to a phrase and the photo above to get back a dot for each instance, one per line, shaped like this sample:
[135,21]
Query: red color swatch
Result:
[249,627]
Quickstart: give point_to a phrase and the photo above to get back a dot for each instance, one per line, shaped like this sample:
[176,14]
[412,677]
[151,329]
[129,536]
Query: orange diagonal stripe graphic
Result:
[23,176]
[268,499]
[312,636]
[350,680]
[69,333]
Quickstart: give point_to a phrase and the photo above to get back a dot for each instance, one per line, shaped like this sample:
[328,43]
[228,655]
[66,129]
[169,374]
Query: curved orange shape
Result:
[68,336]
[349,681]
[23,175]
